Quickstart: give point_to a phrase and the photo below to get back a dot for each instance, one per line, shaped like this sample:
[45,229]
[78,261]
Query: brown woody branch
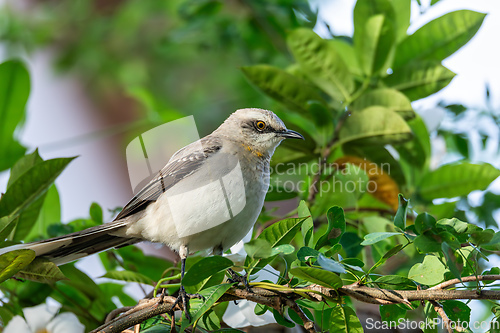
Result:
[277,300]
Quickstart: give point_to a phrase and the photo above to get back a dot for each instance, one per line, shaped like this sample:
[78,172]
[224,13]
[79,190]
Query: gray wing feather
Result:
[182,164]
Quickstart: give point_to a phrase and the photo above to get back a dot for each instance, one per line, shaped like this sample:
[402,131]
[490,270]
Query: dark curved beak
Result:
[289,134]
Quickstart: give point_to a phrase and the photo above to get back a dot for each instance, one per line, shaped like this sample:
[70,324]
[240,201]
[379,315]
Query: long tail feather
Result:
[67,248]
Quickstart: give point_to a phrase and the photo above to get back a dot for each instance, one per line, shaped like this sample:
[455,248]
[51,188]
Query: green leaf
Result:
[376,237]
[457,311]
[321,63]
[365,9]
[322,317]
[31,185]
[129,276]
[429,272]
[374,42]
[493,244]
[49,214]
[451,260]
[279,233]
[386,256]
[424,222]
[135,260]
[209,321]
[95,212]
[395,282]
[389,98]
[318,276]
[400,218]
[335,230]
[205,268]
[306,253]
[454,225]
[295,317]
[419,79]
[284,249]
[391,314]
[23,165]
[7,224]
[454,180]
[330,264]
[417,151]
[457,109]
[26,220]
[199,307]
[282,320]
[286,88]
[159,328]
[439,38]
[260,309]
[427,243]
[282,232]
[258,249]
[351,243]
[81,281]
[479,236]
[375,125]
[12,262]
[41,270]
[402,19]
[10,152]
[321,114]
[344,319]
[346,51]
[14,92]
[353,262]
[308,225]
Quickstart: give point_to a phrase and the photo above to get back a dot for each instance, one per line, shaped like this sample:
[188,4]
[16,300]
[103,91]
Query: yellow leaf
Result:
[380,185]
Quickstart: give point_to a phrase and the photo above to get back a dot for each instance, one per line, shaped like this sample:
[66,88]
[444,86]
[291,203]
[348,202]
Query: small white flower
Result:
[43,319]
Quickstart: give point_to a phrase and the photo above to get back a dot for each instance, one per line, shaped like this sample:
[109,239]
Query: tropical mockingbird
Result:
[207,197]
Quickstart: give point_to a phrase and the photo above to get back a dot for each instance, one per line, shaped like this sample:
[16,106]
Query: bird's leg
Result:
[183,296]
[235,277]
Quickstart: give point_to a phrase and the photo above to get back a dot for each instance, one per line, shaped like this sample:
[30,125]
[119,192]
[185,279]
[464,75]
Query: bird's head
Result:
[259,130]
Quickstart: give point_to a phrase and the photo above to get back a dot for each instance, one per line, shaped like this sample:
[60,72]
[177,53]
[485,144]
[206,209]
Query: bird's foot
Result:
[184,298]
[235,277]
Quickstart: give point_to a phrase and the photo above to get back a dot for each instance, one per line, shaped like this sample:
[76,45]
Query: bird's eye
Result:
[260,125]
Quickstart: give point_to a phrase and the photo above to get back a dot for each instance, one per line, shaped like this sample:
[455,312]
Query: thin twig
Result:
[478,278]
[439,309]
[116,312]
[308,323]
